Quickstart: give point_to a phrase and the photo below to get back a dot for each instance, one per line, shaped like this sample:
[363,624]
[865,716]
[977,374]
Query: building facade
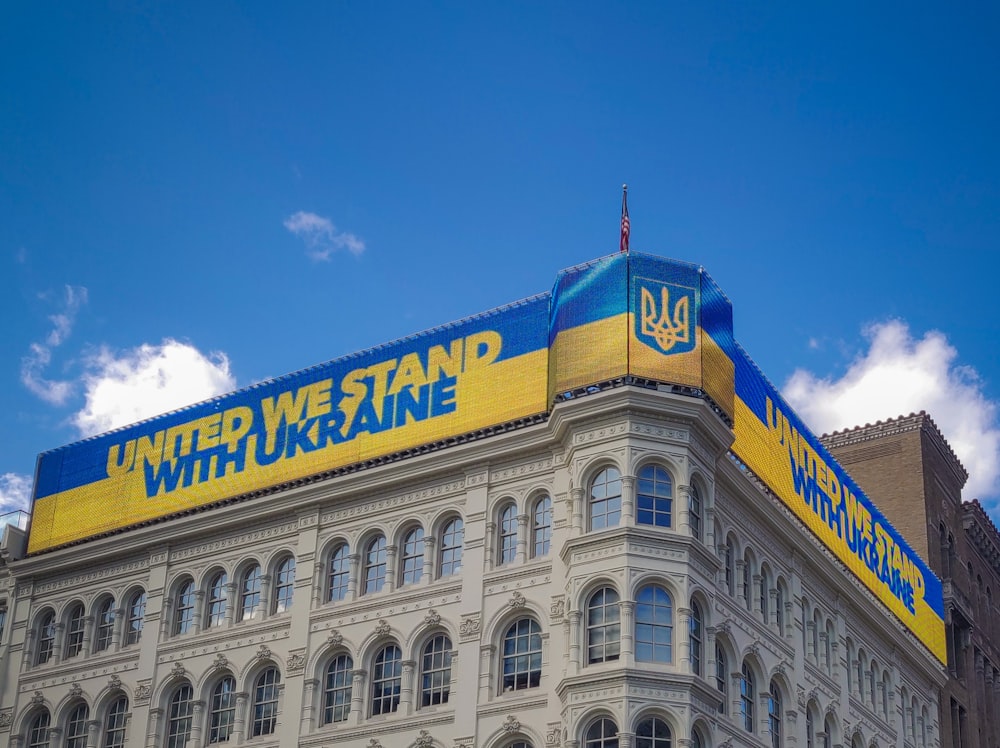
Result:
[606,573]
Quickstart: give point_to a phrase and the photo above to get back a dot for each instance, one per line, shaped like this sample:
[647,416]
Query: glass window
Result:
[184,607]
[337,691]
[179,717]
[507,547]
[722,677]
[774,715]
[602,734]
[250,593]
[606,499]
[451,547]
[541,531]
[74,631]
[46,638]
[105,625]
[340,574]
[522,656]
[265,702]
[696,741]
[653,733]
[654,498]
[375,560]
[810,729]
[222,711]
[136,617]
[387,678]
[284,585]
[730,561]
[76,727]
[827,733]
[654,625]
[114,724]
[765,592]
[413,556]
[747,588]
[603,626]
[748,692]
[697,623]
[435,672]
[217,598]
[872,688]
[38,730]
[3,619]
[695,511]
[779,608]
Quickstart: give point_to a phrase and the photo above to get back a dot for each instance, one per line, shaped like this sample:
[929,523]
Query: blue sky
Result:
[198,196]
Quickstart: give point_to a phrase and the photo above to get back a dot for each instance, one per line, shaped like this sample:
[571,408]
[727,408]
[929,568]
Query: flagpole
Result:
[626,227]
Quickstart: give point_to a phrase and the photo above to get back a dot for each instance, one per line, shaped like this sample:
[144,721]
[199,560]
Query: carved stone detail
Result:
[516,601]
[511,724]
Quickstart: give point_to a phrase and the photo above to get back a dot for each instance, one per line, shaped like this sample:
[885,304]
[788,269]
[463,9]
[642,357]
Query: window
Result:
[872,688]
[337,691]
[375,560]
[828,733]
[606,499]
[222,711]
[507,547]
[721,677]
[250,593]
[3,618]
[340,574]
[695,511]
[654,498]
[541,530]
[387,678]
[810,729]
[76,727]
[603,626]
[105,625]
[114,724]
[696,637]
[886,687]
[653,733]
[747,580]
[284,585]
[522,656]
[179,716]
[38,730]
[46,638]
[217,599]
[748,692]
[435,672]
[860,664]
[730,561]
[451,547]
[602,734]
[774,715]
[265,702]
[779,608]
[74,631]
[136,617]
[696,741]
[413,556]
[653,625]
[764,593]
[184,611]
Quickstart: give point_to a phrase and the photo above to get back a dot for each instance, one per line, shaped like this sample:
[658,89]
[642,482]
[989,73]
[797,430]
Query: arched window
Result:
[284,585]
[654,498]
[696,741]
[872,687]
[412,562]
[654,625]
[114,724]
[779,607]
[765,594]
[522,656]
[375,560]
[850,666]
[222,710]
[886,688]
[337,690]
[774,715]
[810,729]
[653,733]
[265,702]
[340,573]
[435,671]
[136,618]
[603,626]
[46,638]
[105,633]
[507,547]
[541,529]
[38,730]
[828,640]
[730,562]
[179,716]
[924,719]
[695,510]
[217,598]
[451,547]
[860,665]
[695,636]
[828,733]
[184,607]
[722,677]
[914,713]
[606,499]
[76,727]
[74,631]
[748,695]
[250,593]
[603,733]
[386,680]
[747,580]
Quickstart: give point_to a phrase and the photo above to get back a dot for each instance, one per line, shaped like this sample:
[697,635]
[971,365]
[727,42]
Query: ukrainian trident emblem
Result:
[665,325]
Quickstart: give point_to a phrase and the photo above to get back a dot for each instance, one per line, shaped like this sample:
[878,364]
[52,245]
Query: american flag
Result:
[626,229]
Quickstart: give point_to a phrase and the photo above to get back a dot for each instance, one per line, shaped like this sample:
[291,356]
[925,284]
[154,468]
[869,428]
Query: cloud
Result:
[122,388]
[15,495]
[320,235]
[39,356]
[898,375]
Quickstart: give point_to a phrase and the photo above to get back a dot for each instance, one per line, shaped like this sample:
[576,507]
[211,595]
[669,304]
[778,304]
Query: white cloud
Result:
[125,387]
[39,356]
[899,375]
[15,495]
[320,235]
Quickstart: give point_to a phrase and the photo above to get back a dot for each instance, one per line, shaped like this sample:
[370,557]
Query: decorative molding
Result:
[554,735]
[433,618]
[511,725]
[240,541]
[114,683]
[382,628]
[221,662]
[296,662]
[143,691]
[37,698]
[335,639]
[80,580]
[516,601]
[521,470]
[470,627]
[424,740]
[6,719]
[558,608]
[380,506]
[75,691]
[263,652]
[177,670]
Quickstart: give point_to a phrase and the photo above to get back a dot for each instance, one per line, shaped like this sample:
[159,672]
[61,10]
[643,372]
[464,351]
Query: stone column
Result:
[772,611]
[491,545]
[390,568]
[576,504]
[574,641]
[763,704]
[756,582]
[628,500]
[153,727]
[354,582]
[626,739]
[357,696]
[309,710]
[487,652]
[199,611]
[406,687]
[628,632]
[735,682]
[240,718]
[682,508]
[318,594]
[93,733]
[823,661]
[116,632]
[430,559]
[57,646]
[522,538]
[197,721]
[811,652]
[684,639]
[265,596]
[232,600]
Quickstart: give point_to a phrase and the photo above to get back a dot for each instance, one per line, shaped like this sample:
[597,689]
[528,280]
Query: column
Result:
[199,611]
[738,566]
[682,508]
[522,538]
[240,718]
[430,559]
[811,653]
[232,600]
[309,706]
[318,595]
[166,617]
[576,501]
[265,596]
[490,543]
[574,641]
[93,733]
[116,634]
[628,632]
[625,739]
[406,687]
[153,727]
[197,719]
[390,567]
[57,647]
[628,500]
[684,639]
[756,583]
[735,684]
[357,696]
[823,661]
[486,655]
[354,581]
[763,710]
[88,635]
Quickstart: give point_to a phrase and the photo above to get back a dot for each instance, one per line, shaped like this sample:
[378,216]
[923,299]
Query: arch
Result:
[374,564]
[602,625]
[182,612]
[697,508]
[696,637]
[451,545]
[521,653]
[600,732]
[35,727]
[220,706]
[45,635]
[775,713]
[506,524]
[749,684]
[337,688]
[216,597]
[75,621]
[764,596]
[113,718]
[604,498]
[386,679]
[135,616]
[178,716]
[249,590]
[411,554]
[701,732]
[729,551]
[654,495]
[263,705]
[654,624]
[541,524]
[283,579]
[781,600]
[435,670]
[654,729]
[104,622]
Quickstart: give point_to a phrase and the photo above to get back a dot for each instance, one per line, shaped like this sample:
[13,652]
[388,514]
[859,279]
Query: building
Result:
[913,475]
[583,520]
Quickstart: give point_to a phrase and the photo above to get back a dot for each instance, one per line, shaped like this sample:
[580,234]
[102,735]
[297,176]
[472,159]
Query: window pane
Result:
[337,693]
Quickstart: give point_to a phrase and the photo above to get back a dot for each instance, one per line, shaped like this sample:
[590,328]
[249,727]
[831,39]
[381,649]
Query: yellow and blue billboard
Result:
[627,315]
